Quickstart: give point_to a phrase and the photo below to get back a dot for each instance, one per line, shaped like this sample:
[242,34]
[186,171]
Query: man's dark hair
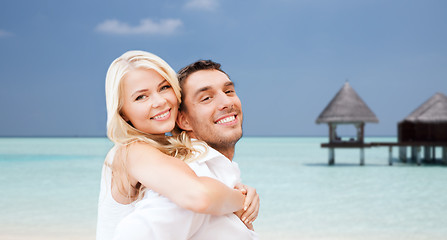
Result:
[199,65]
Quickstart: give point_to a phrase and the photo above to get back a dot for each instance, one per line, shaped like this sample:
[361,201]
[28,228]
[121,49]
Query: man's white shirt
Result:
[156,217]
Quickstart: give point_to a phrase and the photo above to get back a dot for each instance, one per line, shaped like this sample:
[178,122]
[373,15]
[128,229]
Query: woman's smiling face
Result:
[149,102]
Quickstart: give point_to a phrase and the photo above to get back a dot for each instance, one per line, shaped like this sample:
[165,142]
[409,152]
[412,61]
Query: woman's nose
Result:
[158,100]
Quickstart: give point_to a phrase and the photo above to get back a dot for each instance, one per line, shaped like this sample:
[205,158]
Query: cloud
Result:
[146,27]
[4,33]
[207,5]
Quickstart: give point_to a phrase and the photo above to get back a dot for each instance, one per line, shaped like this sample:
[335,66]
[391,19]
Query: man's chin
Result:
[233,138]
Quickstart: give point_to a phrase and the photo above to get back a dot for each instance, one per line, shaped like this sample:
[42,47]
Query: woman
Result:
[142,97]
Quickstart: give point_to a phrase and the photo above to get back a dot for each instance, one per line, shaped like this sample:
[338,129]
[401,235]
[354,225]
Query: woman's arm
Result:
[175,180]
[251,206]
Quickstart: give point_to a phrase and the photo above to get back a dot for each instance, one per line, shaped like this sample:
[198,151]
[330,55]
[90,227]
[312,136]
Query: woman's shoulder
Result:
[137,146]
[140,149]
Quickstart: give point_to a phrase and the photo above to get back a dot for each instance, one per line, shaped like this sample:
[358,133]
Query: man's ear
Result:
[182,121]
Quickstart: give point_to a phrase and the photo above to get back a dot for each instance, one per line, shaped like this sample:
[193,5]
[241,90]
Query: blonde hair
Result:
[123,133]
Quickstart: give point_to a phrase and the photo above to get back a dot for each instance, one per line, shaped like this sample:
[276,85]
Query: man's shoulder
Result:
[205,152]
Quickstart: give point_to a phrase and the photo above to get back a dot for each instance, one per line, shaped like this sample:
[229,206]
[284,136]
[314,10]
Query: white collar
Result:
[208,152]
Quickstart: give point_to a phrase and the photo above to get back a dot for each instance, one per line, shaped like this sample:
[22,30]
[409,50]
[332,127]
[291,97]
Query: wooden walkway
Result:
[416,147]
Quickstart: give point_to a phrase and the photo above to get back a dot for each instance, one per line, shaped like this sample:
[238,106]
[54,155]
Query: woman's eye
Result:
[165,87]
[140,97]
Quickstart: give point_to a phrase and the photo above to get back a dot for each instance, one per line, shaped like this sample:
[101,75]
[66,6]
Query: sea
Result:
[49,189]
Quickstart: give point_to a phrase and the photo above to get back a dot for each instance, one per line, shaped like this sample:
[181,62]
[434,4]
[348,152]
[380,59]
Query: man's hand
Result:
[251,205]
[248,225]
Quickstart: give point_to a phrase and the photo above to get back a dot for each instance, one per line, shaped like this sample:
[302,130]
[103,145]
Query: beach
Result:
[50,187]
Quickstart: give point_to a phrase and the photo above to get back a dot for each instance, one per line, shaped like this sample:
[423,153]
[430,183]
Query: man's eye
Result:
[141,97]
[229,91]
[205,99]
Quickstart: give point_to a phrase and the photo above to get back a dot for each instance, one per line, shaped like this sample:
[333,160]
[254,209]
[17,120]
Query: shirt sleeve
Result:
[218,168]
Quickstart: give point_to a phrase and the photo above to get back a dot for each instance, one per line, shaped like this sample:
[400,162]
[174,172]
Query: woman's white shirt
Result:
[110,212]
[156,217]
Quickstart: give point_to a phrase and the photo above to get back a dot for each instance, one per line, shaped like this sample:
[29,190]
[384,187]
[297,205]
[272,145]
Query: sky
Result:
[288,58]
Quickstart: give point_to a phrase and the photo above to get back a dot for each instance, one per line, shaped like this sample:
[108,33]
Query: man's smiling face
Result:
[212,110]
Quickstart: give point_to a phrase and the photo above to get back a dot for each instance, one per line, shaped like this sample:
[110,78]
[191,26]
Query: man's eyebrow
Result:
[230,83]
[200,90]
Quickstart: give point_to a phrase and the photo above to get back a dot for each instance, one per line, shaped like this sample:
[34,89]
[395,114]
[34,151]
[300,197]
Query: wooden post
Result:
[403,154]
[418,155]
[390,156]
[362,157]
[413,154]
[427,156]
[444,154]
[360,132]
[331,156]
[434,153]
[331,130]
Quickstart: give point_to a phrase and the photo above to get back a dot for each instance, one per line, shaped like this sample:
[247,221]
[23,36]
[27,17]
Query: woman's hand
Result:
[251,205]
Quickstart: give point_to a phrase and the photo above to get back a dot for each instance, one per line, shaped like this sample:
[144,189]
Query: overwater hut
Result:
[346,108]
[425,127]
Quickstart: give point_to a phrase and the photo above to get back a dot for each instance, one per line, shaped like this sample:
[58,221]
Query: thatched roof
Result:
[347,107]
[434,110]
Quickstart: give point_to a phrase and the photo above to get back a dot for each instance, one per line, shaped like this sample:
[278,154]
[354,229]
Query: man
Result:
[211,112]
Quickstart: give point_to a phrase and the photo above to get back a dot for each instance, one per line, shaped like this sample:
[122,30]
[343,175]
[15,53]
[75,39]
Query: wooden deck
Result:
[381,144]
[429,150]
[346,145]
[408,144]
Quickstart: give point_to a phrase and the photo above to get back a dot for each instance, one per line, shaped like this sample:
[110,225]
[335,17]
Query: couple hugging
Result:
[170,174]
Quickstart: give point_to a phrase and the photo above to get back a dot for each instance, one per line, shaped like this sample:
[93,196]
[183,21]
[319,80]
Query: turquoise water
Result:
[49,189]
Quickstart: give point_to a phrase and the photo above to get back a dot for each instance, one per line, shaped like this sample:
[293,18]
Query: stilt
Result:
[403,154]
[444,154]
[434,153]
[413,154]
[418,155]
[331,156]
[427,151]
[362,157]
[390,157]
